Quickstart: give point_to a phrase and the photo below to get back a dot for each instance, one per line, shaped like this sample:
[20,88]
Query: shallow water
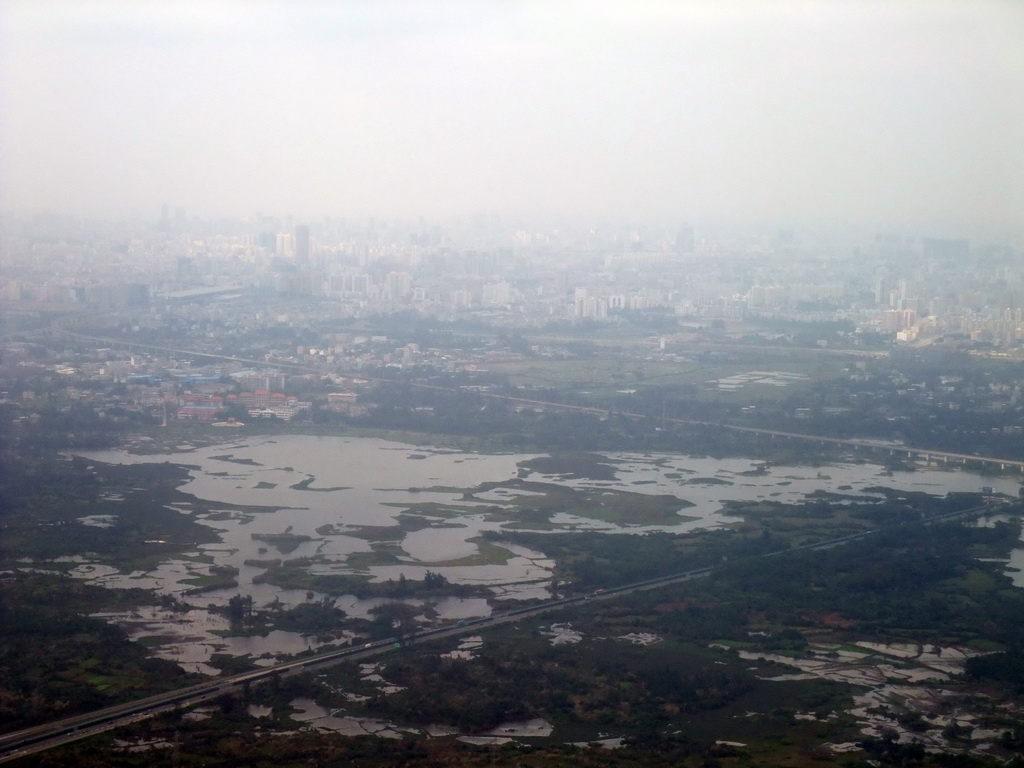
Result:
[335,484]
[313,715]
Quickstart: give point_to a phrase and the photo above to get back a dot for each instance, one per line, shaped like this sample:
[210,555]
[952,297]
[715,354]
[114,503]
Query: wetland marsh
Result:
[292,514]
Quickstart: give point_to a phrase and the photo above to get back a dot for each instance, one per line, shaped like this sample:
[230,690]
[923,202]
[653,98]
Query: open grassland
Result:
[607,377]
[540,501]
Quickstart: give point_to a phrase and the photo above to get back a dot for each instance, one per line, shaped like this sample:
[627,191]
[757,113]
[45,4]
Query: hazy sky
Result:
[855,111]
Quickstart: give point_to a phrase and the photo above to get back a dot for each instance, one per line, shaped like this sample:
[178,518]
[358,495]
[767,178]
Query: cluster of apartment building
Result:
[259,404]
[905,288]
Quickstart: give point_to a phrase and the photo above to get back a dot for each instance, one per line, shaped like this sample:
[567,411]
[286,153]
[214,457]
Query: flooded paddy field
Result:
[381,510]
[901,677]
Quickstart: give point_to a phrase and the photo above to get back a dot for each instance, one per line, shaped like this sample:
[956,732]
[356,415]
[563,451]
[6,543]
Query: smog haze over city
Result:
[790,112]
[510,383]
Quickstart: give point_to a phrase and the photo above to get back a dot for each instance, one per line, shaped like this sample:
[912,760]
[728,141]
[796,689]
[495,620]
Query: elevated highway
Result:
[909,452]
[47,736]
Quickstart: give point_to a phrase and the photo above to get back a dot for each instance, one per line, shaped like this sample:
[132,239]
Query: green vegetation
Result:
[56,660]
[44,500]
[611,685]
[603,375]
[588,560]
[295,574]
[1004,668]
[670,695]
[914,582]
[670,698]
[219,577]
[486,554]
[306,485]
[541,500]
[321,617]
[228,739]
[283,542]
[233,460]
[572,465]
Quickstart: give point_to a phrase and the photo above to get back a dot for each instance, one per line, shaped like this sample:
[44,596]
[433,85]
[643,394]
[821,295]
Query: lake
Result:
[332,499]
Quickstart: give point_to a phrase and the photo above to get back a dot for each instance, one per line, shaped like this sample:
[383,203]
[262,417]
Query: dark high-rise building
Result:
[685,240]
[267,240]
[946,248]
[302,244]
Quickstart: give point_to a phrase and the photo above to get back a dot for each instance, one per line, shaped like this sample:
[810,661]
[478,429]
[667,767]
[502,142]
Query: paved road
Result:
[875,445]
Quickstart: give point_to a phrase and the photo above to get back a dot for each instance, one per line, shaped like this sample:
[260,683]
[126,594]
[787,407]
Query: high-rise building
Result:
[497,293]
[881,290]
[686,241]
[945,248]
[268,241]
[302,244]
[285,245]
[397,285]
